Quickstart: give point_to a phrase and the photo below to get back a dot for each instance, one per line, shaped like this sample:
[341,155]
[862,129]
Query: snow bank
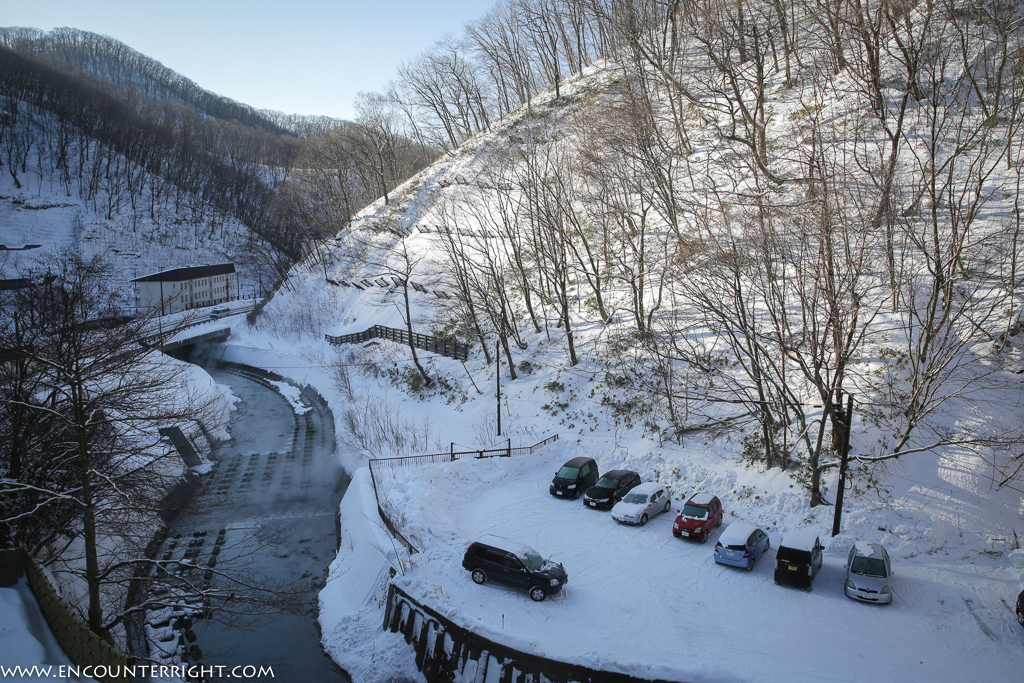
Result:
[26,639]
[352,601]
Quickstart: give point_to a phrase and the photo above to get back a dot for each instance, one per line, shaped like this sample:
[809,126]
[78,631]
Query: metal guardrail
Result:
[451,456]
[454,455]
[445,347]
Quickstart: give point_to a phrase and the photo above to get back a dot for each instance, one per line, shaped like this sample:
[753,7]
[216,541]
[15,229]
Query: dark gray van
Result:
[574,477]
[798,559]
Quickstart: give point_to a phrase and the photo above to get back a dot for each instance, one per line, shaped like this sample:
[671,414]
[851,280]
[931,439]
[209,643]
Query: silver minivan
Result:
[868,573]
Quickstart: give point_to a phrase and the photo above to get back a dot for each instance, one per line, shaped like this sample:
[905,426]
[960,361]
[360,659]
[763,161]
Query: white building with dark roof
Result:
[181,289]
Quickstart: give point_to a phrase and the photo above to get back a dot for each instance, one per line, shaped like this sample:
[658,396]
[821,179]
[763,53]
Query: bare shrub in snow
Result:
[376,426]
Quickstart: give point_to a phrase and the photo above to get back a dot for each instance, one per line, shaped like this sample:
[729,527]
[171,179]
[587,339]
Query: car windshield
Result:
[695,511]
[868,566]
[532,560]
[568,472]
[637,498]
[606,483]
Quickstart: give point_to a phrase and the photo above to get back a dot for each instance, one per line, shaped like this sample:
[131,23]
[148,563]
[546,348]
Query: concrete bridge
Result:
[180,341]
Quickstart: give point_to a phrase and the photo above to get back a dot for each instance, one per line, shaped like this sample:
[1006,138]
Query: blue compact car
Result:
[740,545]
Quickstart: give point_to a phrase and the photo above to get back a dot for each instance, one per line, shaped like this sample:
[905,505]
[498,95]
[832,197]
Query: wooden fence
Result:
[82,646]
[444,347]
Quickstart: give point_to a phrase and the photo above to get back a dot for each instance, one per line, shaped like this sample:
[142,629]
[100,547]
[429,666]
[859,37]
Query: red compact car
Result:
[701,514]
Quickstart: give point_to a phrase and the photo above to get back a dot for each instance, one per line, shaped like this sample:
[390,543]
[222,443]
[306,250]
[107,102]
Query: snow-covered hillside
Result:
[638,600]
[133,242]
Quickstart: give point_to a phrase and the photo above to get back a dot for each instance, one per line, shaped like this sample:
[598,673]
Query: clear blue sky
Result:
[295,56]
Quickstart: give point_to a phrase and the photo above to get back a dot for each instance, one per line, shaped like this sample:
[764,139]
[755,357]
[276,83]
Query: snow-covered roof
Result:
[865,549]
[500,543]
[701,499]
[647,487]
[188,273]
[800,539]
[736,533]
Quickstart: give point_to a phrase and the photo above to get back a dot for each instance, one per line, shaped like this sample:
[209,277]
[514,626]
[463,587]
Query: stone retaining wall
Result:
[448,653]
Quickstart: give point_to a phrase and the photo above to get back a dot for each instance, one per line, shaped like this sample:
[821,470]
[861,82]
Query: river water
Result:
[268,508]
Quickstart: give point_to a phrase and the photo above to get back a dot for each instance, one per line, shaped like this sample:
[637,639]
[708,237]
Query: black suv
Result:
[610,489]
[513,564]
[798,559]
[575,477]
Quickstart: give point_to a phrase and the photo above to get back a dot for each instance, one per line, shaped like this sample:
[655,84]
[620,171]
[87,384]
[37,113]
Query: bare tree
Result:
[447,91]
[380,145]
[499,42]
[958,275]
[547,204]
[82,402]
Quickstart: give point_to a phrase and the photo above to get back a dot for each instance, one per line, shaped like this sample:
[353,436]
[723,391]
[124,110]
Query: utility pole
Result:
[847,420]
[497,378]
[160,320]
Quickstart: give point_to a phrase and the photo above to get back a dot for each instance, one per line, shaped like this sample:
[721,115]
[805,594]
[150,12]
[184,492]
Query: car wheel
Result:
[750,567]
[719,522]
[668,504]
[643,519]
[1020,618]
[704,537]
[479,576]
[537,594]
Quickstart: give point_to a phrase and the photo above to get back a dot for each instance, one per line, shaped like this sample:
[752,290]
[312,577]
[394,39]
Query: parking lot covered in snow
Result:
[640,601]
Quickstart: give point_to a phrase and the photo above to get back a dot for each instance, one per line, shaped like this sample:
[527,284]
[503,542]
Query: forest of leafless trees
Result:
[89,118]
[770,205]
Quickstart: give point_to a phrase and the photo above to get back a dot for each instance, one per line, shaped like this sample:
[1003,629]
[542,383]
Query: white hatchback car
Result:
[642,503]
[868,573]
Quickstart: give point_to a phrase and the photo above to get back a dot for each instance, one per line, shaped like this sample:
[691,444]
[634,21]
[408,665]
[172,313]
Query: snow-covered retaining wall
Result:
[83,647]
[449,653]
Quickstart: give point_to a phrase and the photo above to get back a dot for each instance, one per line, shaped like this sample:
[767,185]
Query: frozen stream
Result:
[270,506]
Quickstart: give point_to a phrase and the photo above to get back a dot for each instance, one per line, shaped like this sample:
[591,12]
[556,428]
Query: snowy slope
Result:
[39,214]
[638,600]
[26,640]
